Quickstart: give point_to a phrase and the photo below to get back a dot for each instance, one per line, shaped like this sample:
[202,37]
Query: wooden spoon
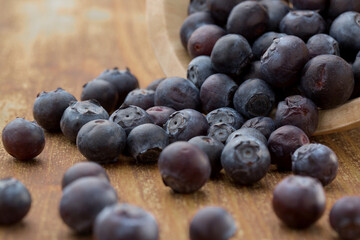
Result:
[164,19]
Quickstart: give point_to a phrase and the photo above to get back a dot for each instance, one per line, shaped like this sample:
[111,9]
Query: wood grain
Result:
[165,18]
[46,44]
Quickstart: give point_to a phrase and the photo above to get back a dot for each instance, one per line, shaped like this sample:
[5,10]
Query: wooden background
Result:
[66,43]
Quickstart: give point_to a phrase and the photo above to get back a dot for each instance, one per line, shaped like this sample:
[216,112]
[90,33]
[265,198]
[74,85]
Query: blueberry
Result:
[264,41]
[23,139]
[321,44]
[212,148]
[142,98]
[199,69]
[356,71]
[327,80]
[186,124]
[78,114]
[160,114]
[130,117]
[197,6]
[344,217]
[299,201]
[317,161]
[283,61]
[231,54]
[217,91]
[249,19]
[220,131]
[298,111]
[225,115]
[303,23]
[276,11]
[193,22]
[15,201]
[203,39]
[123,80]
[50,106]
[177,93]
[124,222]
[245,160]
[83,169]
[283,142]
[247,132]
[252,71]
[212,223]
[264,124]
[254,98]
[184,167]
[102,91]
[83,200]
[145,142]
[154,84]
[101,140]
[346,30]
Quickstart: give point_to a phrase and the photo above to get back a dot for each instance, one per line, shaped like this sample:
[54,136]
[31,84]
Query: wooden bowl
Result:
[165,17]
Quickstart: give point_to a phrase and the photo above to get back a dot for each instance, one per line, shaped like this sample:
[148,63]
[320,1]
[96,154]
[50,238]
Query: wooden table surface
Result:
[66,43]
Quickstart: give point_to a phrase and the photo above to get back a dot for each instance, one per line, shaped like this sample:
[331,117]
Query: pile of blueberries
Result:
[217,118]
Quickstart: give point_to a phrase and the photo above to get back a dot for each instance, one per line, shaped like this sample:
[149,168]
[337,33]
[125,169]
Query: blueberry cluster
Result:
[249,56]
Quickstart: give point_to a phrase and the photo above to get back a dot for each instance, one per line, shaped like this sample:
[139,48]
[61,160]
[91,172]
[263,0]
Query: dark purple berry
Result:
[123,80]
[220,131]
[217,91]
[337,7]
[321,44]
[299,201]
[83,169]
[254,98]
[245,160]
[101,140]
[264,124]
[199,69]
[160,114]
[220,9]
[186,124]
[212,148]
[142,98]
[50,106]
[15,201]
[130,117]
[23,139]
[212,223]
[83,200]
[302,23]
[145,142]
[184,167]
[346,30]
[231,54]
[225,115]
[203,39]
[298,111]
[327,80]
[317,161]
[247,132]
[344,217]
[125,222]
[177,93]
[193,22]
[249,19]
[283,142]
[356,71]
[310,4]
[252,71]
[283,61]
[102,91]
